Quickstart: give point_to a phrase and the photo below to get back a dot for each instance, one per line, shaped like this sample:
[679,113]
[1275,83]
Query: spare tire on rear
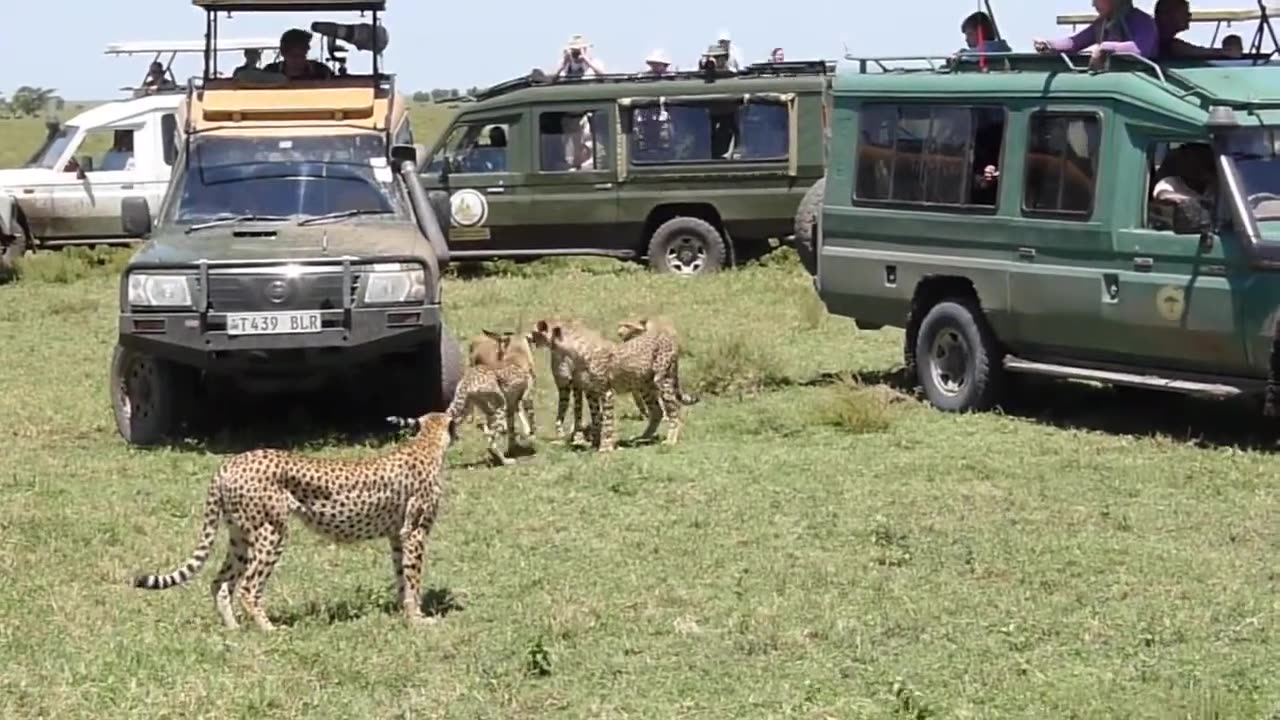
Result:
[806,230]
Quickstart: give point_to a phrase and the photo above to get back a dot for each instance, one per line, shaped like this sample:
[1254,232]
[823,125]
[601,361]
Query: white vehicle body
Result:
[71,189]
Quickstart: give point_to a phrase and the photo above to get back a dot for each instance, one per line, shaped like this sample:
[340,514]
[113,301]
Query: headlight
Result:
[159,290]
[399,286]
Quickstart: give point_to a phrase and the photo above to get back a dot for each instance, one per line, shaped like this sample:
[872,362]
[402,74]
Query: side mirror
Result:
[401,154]
[84,166]
[135,217]
[446,165]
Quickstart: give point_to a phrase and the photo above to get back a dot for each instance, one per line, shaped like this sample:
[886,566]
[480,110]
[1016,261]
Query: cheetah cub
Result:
[395,495]
[562,374]
[664,333]
[643,366]
[500,384]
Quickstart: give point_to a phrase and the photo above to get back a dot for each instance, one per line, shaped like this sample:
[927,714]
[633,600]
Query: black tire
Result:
[428,381]
[148,396]
[806,230]
[686,246]
[959,364]
[11,250]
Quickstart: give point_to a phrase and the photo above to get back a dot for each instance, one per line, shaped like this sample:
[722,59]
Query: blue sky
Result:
[450,44]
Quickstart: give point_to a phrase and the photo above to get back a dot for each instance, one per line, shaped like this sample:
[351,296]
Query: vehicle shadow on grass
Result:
[1071,405]
[1142,413]
[298,422]
[437,602]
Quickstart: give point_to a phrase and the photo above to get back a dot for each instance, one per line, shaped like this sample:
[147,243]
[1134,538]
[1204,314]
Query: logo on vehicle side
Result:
[1170,301]
[277,291]
[468,208]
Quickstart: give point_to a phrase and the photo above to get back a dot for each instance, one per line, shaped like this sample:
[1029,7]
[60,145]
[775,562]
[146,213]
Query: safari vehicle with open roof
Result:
[1082,259]
[69,191]
[693,171]
[294,246]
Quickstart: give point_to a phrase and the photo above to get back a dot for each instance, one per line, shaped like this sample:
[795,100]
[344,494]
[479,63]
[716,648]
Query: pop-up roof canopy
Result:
[188,46]
[291,5]
[1261,14]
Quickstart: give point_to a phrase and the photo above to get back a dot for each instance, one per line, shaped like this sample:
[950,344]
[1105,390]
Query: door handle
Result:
[604,186]
[1143,264]
[127,186]
[495,190]
[1027,253]
[28,191]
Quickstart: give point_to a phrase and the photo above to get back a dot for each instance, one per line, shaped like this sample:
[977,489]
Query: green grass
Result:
[818,546]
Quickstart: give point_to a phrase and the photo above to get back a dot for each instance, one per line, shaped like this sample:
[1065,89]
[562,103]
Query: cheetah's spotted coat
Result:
[500,385]
[395,495]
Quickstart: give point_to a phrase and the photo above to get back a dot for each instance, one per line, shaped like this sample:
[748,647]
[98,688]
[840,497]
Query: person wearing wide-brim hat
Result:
[658,63]
[716,56]
[576,59]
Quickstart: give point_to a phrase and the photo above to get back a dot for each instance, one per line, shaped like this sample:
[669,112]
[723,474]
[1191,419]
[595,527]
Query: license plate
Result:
[281,323]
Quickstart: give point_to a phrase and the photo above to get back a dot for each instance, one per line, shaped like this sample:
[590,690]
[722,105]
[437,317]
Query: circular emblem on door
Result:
[469,208]
[277,291]
[1170,301]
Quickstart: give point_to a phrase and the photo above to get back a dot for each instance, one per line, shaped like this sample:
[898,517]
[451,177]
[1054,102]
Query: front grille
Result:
[262,292]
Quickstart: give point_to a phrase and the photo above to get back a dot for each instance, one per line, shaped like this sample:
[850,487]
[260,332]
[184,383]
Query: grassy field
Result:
[814,548]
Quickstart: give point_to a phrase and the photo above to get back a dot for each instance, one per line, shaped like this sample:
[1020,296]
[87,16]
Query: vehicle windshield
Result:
[287,177]
[54,145]
[1256,155]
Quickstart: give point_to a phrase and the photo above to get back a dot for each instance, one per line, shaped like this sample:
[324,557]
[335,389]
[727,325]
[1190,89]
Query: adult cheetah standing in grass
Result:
[395,495]
[500,384]
[643,366]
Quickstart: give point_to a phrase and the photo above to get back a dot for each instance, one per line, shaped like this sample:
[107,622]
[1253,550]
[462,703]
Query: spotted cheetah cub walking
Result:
[395,495]
[664,332]
[643,366]
[499,384]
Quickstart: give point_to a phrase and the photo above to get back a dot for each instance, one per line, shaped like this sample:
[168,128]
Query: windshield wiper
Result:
[340,215]
[234,220]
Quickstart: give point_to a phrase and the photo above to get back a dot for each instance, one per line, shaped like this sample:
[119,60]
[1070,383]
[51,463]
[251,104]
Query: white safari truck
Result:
[69,191]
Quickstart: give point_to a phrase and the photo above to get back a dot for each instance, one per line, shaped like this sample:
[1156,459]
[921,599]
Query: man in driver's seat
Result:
[294,63]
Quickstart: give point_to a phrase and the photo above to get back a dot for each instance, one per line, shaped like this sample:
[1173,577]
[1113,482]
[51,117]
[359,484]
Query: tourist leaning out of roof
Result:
[658,64]
[733,56]
[980,35]
[294,64]
[1173,17]
[576,60]
[1119,28]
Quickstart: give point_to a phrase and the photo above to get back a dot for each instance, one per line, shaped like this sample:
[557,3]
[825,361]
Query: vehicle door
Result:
[574,191]
[1172,301]
[1063,249]
[483,164]
[103,168]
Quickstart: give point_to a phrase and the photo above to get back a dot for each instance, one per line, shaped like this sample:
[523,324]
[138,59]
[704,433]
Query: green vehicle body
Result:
[613,207]
[1101,293]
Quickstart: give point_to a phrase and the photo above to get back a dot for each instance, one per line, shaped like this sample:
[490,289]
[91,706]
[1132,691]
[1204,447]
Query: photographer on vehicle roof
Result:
[294,64]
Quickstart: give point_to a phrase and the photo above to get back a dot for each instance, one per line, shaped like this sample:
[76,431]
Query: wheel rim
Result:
[137,390]
[687,255]
[949,362]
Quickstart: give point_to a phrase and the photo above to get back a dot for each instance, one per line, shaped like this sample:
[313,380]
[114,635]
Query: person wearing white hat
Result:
[576,60]
[658,63]
[735,57]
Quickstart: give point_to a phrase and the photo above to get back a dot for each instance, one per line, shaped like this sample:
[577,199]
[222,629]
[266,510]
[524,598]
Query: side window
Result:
[103,150]
[943,155]
[404,134]
[1062,165]
[572,141]
[168,137]
[1178,172]
[724,131]
[474,147]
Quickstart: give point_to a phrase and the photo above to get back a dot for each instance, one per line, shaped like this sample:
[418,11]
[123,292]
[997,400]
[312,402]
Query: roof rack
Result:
[537,78]
[291,5]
